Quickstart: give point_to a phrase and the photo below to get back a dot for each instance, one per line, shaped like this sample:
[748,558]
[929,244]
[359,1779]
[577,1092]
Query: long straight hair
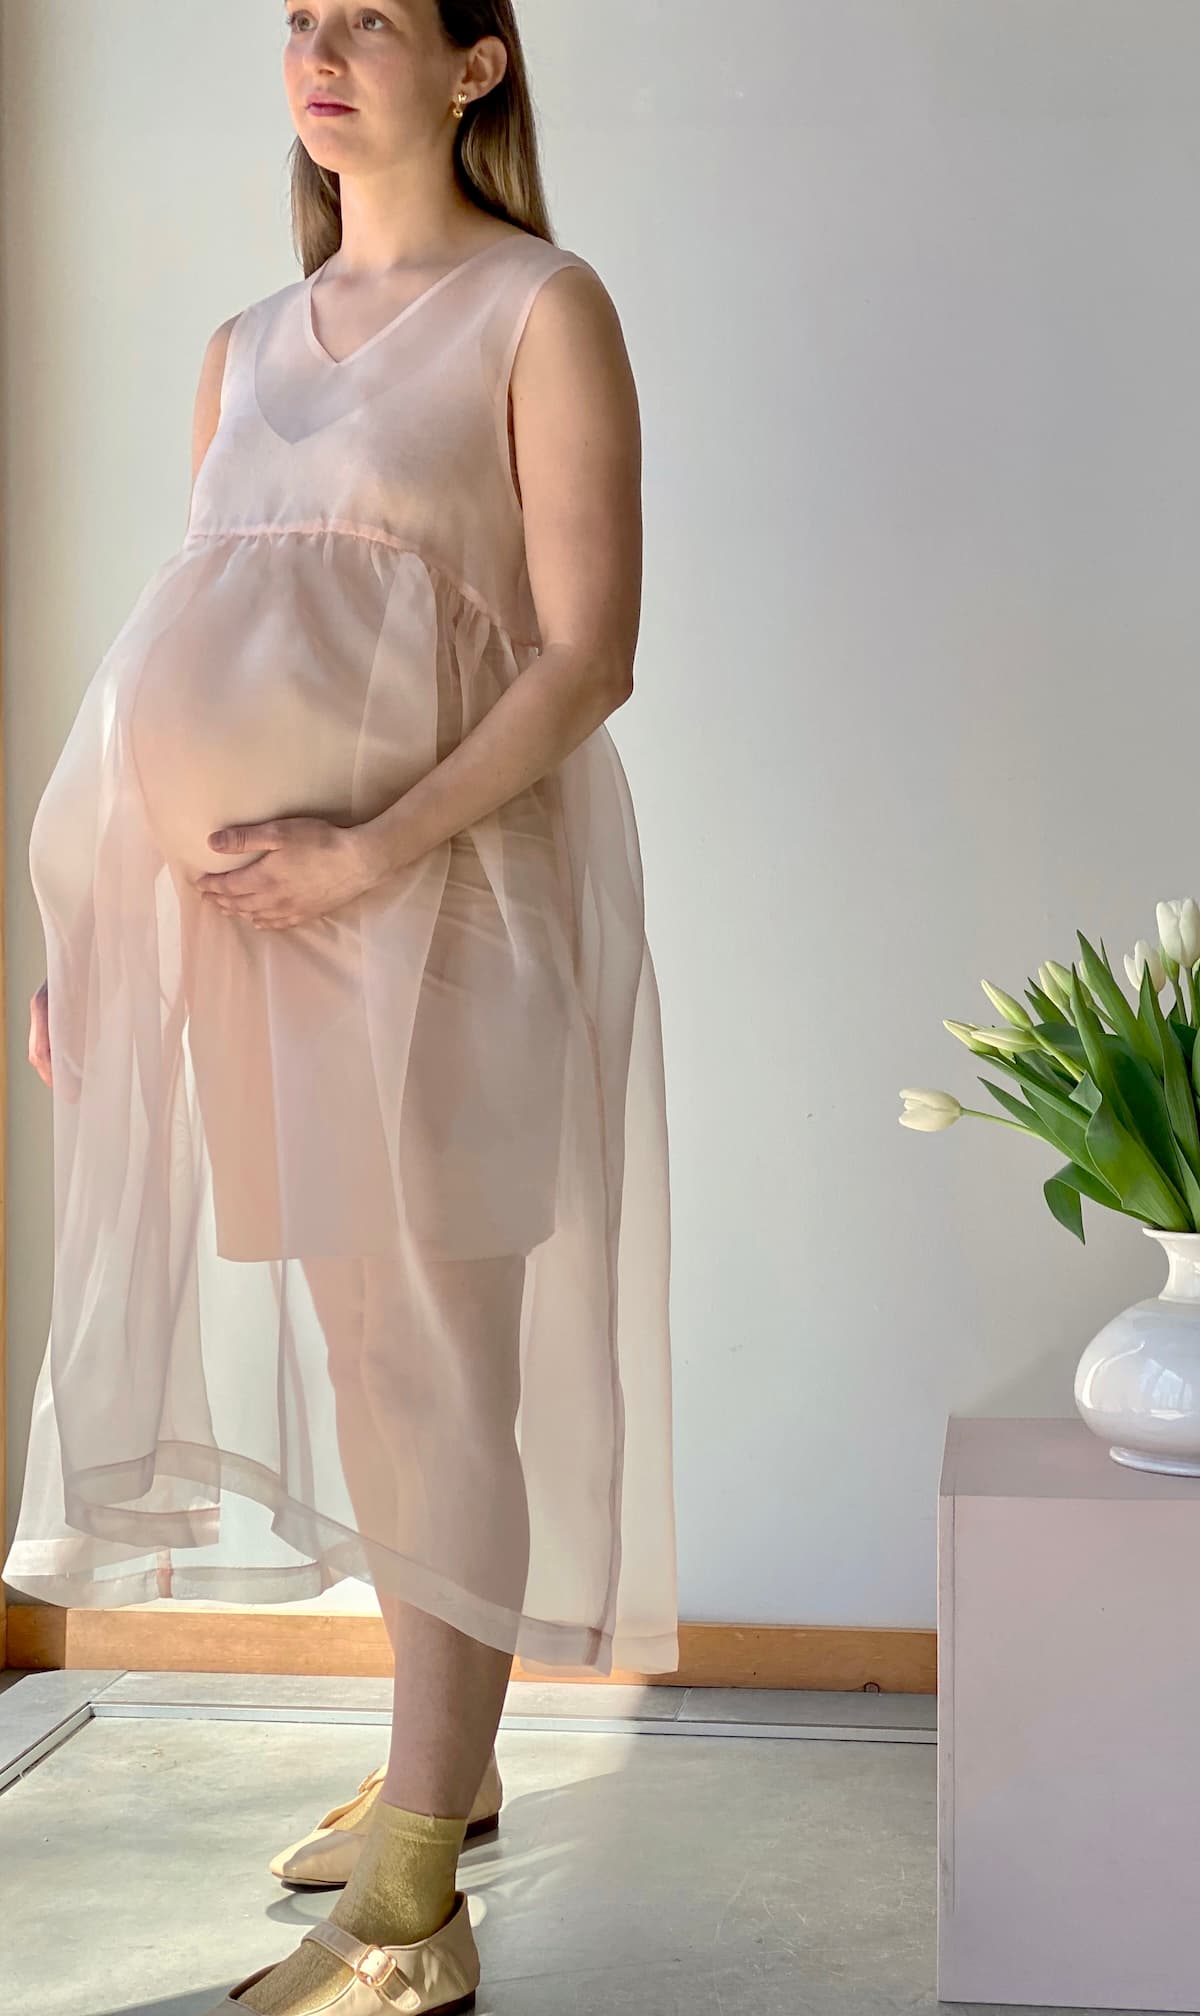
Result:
[495,149]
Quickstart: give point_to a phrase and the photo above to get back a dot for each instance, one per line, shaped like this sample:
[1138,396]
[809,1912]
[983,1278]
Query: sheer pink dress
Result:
[361,1226]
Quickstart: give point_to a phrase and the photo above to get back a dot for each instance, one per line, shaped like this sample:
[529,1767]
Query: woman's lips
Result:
[327,109]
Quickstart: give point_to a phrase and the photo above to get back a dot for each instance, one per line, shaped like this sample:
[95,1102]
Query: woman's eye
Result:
[301,21]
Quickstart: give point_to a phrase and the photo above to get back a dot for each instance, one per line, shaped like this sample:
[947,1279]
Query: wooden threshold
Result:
[838,1658]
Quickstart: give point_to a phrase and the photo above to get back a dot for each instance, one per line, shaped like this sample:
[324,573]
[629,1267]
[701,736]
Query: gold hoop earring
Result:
[459,103]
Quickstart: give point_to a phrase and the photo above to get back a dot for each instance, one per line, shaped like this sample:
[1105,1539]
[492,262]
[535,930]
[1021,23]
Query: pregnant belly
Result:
[299,678]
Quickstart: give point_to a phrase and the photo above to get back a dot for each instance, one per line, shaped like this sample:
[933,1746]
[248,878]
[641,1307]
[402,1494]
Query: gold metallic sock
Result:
[401,1890]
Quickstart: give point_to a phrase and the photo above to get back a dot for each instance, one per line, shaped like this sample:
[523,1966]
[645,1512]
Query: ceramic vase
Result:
[1137,1384]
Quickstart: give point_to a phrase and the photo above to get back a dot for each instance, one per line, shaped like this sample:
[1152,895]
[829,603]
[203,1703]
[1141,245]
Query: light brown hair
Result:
[495,149]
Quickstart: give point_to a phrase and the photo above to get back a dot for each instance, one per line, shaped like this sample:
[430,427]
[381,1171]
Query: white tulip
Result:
[1014,1042]
[967,1033]
[1177,922]
[1145,954]
[1012,1011]
[929,1112]
[1055,980]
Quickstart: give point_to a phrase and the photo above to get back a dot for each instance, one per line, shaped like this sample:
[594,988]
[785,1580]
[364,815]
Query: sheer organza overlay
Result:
[361,1226]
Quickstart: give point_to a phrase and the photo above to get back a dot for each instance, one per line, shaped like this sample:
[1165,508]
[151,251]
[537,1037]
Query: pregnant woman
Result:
[352,1029]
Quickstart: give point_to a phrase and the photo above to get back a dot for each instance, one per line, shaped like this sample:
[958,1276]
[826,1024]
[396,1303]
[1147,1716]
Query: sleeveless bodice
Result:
[404,441]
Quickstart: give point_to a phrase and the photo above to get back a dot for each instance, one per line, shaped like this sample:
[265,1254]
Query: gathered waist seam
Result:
[345,529]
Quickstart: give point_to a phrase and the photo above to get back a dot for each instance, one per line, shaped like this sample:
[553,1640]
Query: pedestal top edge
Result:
[1044,1457]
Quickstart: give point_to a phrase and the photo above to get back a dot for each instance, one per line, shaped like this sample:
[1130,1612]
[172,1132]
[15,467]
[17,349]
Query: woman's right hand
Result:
[39,1034]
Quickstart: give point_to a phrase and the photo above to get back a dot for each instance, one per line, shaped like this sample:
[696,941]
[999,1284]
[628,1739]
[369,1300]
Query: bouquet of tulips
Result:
[1112,1087]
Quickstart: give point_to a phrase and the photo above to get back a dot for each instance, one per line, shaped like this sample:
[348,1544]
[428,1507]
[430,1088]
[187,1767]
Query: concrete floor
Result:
[639,1871]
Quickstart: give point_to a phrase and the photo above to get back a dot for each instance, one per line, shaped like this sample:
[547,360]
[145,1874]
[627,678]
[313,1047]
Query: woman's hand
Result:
[309,867]
[39,1034]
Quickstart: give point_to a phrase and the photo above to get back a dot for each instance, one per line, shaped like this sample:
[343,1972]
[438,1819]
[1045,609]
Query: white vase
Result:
[1137,1385]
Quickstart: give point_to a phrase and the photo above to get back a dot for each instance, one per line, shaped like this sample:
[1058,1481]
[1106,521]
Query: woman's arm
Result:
[207,409]
[579,463]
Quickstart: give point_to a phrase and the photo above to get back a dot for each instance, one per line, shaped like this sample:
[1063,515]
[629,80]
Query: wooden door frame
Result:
[3,1166]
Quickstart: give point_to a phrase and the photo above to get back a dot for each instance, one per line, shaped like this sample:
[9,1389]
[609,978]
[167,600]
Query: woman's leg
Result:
[458,1383]
[424,1363]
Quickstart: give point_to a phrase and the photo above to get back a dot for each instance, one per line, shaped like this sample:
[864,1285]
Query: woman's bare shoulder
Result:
[207,409]
[573,325]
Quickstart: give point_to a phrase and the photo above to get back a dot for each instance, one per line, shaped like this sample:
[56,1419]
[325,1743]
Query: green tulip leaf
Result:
[1065,1037]
[1065,1203]
[1143,1109]
[1060,1124]
[1137,1179]
[1064,1190]
[1176,1081]
[1084,1179]
[1191,1192]
[1130,1090]
[1087,1093]
[1111,997]
[1051,1087]
[1018,1109]
[1070,1135]
[1042,1004]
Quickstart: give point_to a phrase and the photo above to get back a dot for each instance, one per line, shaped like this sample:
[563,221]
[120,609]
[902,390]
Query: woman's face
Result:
[390,64]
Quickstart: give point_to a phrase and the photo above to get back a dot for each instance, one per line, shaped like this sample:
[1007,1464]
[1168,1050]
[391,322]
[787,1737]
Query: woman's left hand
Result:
[309,867]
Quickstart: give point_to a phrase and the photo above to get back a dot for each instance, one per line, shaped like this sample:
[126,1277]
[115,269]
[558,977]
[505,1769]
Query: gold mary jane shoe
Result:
[324,1859]
[439,1973]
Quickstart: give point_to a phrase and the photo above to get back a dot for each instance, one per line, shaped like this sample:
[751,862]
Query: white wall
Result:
[912,292]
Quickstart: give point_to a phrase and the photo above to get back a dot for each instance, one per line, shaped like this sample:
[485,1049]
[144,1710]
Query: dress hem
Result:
[44,1571]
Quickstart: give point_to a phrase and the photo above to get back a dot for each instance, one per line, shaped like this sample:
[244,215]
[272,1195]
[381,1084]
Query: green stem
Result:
[1069,1065]
[1001,1120]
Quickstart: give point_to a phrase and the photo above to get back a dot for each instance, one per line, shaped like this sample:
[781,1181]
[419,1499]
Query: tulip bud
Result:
[965,1032]
[929,1112]
[1169,936]
[1013,1042]
[1145,954]
[1051,978]
[983,1042]
[1011,1010]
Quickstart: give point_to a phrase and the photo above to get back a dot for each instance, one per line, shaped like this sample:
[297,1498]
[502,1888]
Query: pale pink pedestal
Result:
[1068,1723]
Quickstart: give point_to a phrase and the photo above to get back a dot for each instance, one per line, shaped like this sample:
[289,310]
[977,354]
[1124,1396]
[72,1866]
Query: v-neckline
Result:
[339,363]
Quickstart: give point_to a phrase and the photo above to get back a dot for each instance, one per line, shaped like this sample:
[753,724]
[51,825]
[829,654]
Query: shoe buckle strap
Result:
[370,1964]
